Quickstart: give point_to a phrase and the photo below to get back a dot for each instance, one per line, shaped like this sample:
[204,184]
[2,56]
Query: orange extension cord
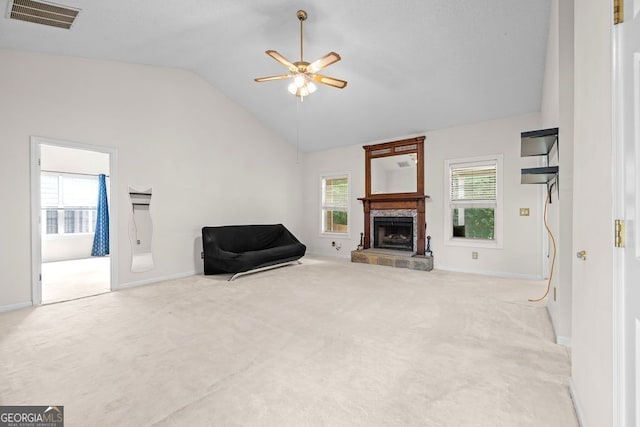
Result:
[553,240]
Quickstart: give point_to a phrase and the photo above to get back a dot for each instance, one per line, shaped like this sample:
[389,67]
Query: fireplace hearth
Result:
[393,233]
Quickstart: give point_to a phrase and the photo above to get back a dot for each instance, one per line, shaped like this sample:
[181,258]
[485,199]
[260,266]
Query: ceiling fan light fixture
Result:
[306,89]
[304,73]
[299,80]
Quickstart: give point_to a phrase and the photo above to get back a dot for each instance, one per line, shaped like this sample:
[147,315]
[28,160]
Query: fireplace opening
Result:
[393,233]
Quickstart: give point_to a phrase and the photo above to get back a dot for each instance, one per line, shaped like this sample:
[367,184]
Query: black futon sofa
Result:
[242,248]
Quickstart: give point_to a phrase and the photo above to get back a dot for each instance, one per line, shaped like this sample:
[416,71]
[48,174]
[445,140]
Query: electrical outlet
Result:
[202,255]
[524,211]
[474,255]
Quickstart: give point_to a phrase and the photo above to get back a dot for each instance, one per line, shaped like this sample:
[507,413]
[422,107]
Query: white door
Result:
[627,106]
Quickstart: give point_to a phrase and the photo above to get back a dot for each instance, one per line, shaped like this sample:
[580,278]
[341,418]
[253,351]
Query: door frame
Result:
[620,343]
[36,228]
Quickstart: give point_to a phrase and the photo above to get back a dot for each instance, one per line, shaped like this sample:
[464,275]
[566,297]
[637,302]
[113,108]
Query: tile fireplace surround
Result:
[407,213]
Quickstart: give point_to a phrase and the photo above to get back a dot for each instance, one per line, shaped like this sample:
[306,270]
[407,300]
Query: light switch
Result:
[524,211]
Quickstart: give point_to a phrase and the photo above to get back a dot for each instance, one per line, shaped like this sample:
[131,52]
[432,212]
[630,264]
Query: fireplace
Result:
[393,233]
[394,210]
[401,207]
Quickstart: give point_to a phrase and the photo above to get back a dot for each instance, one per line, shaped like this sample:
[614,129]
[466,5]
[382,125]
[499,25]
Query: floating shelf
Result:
[542,175]
[538,142]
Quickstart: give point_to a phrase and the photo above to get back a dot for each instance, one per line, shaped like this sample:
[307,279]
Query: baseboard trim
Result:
[154,280]
[565,341]
[488,273]
[17,306]
[576,402]
[343,253]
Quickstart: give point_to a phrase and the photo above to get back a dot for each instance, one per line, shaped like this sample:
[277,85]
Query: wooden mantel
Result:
[414,201]
[396,201]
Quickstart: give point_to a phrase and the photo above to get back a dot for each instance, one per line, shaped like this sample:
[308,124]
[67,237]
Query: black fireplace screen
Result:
[393,233]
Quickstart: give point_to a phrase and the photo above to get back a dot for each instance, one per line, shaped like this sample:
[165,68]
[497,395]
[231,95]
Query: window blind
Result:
[68,191]
[79,191]
[336,193]
[469,183]
[49,191]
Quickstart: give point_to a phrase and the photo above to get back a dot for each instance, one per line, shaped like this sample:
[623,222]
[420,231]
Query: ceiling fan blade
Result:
[323,62]
[268,79]
[329,81]
[281,59]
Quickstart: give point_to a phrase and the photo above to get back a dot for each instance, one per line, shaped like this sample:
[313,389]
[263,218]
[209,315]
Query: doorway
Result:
[72,216]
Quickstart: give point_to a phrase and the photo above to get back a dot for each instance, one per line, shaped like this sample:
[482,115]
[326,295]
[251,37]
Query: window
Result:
[335,204]
[473,212]
[68,203]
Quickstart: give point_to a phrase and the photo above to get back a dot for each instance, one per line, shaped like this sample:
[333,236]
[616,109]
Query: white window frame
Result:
[449,240]
[61,209]
[335,175]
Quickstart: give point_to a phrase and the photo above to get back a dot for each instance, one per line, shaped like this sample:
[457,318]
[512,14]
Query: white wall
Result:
[66,247]
[520,254]
[592,338]
[557,111]
[549,111]
[73,160]
[338,160]
[209,162]
[566,153]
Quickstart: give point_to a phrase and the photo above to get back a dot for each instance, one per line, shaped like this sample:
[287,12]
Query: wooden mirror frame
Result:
[395,148]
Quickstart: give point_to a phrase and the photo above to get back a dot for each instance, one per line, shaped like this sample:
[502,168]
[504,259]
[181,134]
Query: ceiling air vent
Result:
[43,13]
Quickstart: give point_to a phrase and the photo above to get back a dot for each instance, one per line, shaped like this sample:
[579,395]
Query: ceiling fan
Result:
[304,73]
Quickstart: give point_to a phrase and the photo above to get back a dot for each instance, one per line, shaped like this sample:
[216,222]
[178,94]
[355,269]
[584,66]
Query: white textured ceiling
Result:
[412,65]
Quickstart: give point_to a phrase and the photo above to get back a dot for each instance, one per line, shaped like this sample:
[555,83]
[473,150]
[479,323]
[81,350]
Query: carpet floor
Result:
[78,278]
[324,343]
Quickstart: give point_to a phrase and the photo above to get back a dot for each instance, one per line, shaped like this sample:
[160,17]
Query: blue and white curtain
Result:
[101,236]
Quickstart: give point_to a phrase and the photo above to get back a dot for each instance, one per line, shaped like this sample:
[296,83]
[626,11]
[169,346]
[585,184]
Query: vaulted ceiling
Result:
[412,65]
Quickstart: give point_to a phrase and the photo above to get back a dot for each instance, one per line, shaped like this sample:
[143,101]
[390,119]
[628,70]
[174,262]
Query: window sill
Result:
[65,236]
[346,235]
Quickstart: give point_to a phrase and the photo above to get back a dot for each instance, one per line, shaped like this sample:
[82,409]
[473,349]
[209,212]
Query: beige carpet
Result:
[78,278]
[327,342]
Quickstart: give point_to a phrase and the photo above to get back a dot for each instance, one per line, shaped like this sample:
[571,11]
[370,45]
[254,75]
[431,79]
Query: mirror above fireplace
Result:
[394,174]
[395,167]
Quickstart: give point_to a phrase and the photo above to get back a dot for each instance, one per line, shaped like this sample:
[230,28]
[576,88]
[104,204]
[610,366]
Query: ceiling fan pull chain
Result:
[301,21]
